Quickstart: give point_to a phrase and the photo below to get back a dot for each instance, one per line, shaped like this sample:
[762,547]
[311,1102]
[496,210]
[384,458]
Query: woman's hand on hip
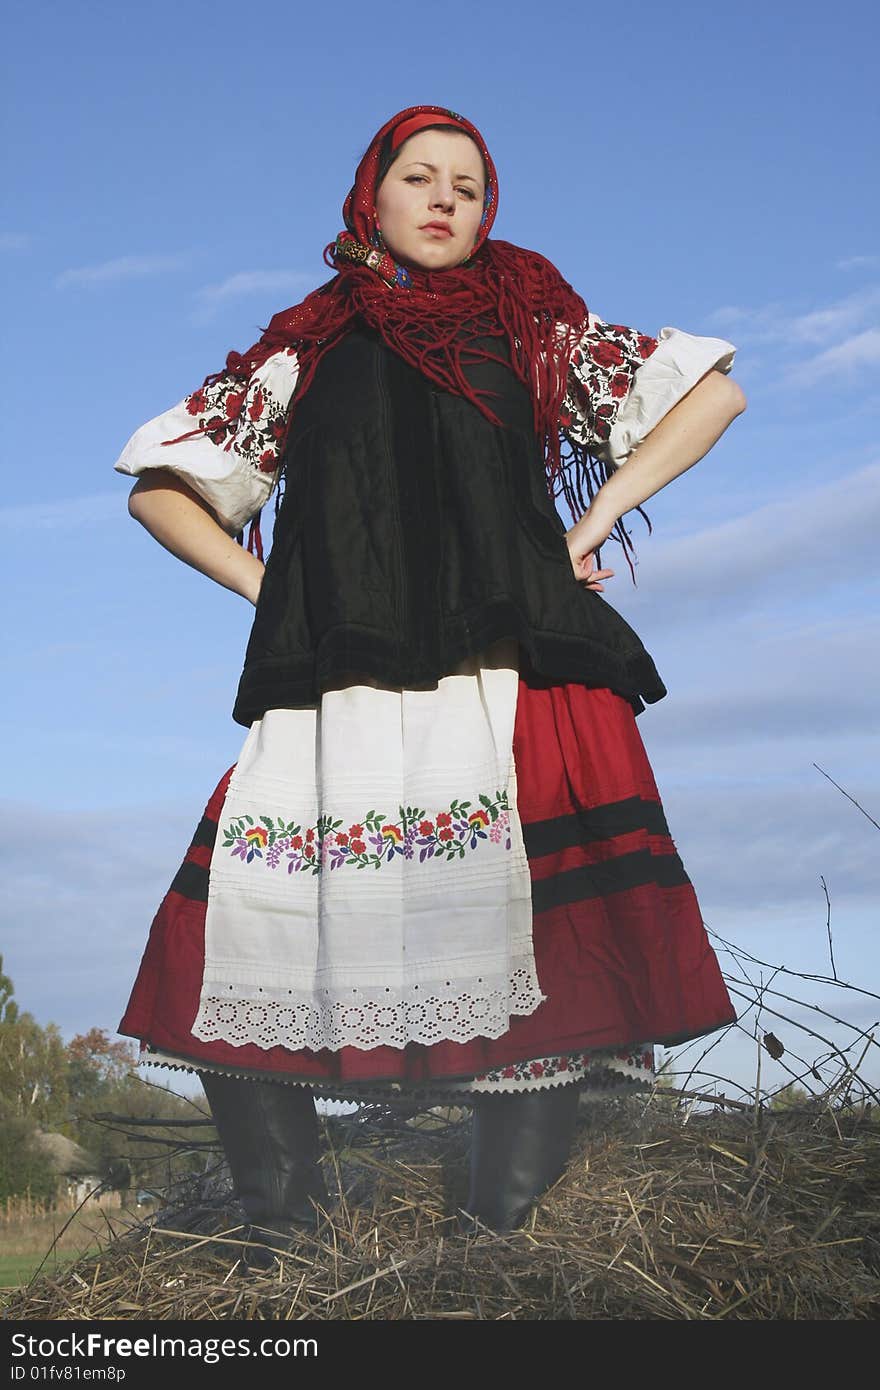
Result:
[583,540]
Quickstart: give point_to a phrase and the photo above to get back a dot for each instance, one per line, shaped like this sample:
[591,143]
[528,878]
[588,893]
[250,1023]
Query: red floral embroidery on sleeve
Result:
[250,419]
[600,377]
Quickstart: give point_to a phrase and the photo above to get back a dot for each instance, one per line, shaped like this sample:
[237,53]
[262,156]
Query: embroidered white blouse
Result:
[223,440]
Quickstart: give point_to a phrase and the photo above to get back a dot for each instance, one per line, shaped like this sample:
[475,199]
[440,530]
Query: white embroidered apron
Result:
[369,883]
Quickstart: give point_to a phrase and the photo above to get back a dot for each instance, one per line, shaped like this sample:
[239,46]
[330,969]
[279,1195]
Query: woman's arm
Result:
[179,519]
[684,435]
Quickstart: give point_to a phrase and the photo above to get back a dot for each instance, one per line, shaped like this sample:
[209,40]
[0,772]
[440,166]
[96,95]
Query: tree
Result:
[33,1093]
[8,1006]
[33,1071]
[101,1081]
[95,1064]
[45,1085]
[33,1064]
[24,1165]
[790,1096]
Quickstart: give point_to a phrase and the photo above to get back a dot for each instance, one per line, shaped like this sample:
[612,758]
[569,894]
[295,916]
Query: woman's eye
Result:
[416,178]
[468,193]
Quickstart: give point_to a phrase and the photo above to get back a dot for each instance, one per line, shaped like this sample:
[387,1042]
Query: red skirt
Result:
[620,948]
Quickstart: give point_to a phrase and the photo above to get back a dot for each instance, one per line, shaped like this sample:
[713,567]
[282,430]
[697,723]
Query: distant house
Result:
[77,1170]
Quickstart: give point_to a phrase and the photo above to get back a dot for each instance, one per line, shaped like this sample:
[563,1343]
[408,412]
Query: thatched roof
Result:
[67,1157]
[660,1216]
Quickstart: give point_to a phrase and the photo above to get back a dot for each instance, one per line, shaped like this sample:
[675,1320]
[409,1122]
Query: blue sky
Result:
[173,175]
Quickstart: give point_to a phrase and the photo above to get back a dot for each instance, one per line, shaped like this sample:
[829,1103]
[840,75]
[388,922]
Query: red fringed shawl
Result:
[440,321]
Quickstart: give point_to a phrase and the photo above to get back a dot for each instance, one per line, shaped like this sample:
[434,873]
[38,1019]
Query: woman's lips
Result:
[439,229]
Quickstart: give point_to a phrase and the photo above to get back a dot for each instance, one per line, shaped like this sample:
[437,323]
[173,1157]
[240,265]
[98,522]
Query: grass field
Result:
[17,1269]
[26,1242]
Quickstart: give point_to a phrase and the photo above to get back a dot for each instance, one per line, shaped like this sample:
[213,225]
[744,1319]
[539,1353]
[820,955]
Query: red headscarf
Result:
[434,319]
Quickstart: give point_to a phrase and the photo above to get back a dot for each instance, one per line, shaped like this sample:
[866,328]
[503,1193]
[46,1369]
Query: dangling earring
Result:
[376,238]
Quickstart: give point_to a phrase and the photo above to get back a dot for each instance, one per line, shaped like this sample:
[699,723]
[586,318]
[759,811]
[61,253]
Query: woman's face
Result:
[430,203]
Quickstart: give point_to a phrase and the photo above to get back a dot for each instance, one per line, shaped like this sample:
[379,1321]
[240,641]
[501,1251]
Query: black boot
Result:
[519,1147]
[269,1133]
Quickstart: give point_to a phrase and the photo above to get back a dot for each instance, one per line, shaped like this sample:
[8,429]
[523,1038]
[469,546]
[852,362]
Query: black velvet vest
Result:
[414,533]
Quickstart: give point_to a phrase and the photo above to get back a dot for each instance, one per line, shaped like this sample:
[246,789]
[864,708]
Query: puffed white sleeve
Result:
[622,382]
[223,440]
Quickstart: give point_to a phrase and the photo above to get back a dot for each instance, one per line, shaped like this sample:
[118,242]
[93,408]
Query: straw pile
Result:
[660,1215]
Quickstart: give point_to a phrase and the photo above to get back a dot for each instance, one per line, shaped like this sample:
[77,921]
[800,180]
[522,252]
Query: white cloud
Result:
[748,845]
[247,282]
[844,359]
[122,268]
[809,688]
[820,324]
[67,513]
[775,322]
[14,241]
[82,895]
[808,701]
[856,262]
[777,550]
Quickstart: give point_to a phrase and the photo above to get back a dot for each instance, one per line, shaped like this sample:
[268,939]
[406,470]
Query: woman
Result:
[440,867]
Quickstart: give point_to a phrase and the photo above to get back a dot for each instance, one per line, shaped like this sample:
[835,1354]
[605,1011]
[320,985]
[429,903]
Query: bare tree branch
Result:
[828,926]
[847,795]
